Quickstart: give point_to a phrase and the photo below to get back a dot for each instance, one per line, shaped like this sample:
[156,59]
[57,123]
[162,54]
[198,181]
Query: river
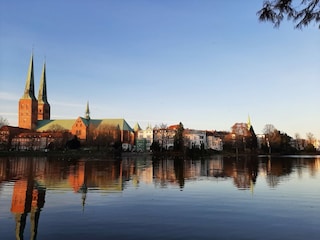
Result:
[137,197]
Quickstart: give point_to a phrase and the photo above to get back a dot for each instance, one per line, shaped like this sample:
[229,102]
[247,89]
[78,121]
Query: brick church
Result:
[34,114]
[32,110]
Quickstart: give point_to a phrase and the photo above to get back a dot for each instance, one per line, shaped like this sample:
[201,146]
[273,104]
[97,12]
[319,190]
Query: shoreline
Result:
[97,154]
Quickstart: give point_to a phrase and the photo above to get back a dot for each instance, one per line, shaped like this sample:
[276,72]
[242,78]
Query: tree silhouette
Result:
[275,11]
[178,138]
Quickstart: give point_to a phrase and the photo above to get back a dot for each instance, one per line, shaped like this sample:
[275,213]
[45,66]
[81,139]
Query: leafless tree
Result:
[3,121]
[56,128]
[104,135]
[310,137]
[269,129]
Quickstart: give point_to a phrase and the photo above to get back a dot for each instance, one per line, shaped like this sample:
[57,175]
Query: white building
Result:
[214,143]
[195,138]
[145,137]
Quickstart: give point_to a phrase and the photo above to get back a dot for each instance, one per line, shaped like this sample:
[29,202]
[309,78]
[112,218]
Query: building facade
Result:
[34,115]
[144,139]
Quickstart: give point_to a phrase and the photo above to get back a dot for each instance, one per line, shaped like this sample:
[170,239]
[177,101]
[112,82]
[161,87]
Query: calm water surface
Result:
[140,198]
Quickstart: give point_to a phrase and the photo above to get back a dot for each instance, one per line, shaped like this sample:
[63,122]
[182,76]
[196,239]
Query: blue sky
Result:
[207,64]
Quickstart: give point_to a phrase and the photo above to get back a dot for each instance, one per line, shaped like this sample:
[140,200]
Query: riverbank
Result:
[103,154]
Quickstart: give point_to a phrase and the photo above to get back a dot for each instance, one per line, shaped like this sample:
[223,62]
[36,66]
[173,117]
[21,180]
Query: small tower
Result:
[249,123]
[28,104]
[87,113]
[43,105]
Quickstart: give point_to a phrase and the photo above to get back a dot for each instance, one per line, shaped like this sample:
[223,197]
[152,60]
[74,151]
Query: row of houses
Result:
[165,136]
[57,134]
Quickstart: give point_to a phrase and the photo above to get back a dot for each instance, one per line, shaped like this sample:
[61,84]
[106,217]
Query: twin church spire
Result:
[42,95]
[29,88]
[32,109]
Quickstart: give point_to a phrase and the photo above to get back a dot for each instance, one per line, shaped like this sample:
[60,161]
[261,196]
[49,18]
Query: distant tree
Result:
[160,126]
[310,148]
[310,138]
[269,129]
[298,141]
[285,145]
[155,146]
[163,126]
[276,141]
[275,11]
[73,143]
[56,128]
[3,121]
[103,136]
[178,143]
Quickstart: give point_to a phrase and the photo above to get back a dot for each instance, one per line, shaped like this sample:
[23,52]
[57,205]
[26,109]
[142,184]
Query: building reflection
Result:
[28,198]
[32,176]
[115,175]
[244,172]
[106,176]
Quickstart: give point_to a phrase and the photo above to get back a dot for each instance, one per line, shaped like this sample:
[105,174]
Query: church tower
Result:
[28,105]
[43,105]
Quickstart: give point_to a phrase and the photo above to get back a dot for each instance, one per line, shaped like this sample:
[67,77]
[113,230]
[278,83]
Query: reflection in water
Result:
[113,175]
[33,176]
[28,197]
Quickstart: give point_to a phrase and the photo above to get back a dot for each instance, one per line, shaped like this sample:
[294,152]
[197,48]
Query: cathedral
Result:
[31,109]
[34,114]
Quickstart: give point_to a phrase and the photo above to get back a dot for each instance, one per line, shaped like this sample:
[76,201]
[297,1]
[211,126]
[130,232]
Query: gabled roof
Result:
[174,127]
[136,127]
[84,120]
[45,125]
[123,125]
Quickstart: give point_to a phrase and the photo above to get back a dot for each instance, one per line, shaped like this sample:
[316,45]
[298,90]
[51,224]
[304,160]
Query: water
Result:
[140,198]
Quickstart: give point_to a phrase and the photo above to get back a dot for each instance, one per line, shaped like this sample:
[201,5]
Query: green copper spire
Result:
[87,114]
[42,96]
[29,89]
[249,123]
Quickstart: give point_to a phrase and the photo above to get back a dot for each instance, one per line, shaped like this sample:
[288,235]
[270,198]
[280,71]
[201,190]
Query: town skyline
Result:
[160,62]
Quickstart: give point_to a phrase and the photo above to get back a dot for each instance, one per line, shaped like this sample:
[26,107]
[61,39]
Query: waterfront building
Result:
[35,117]
[144,139]
[214,142]
[165,136]
[195,139]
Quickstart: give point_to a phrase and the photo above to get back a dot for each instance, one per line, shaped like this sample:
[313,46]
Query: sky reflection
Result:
[42,196]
